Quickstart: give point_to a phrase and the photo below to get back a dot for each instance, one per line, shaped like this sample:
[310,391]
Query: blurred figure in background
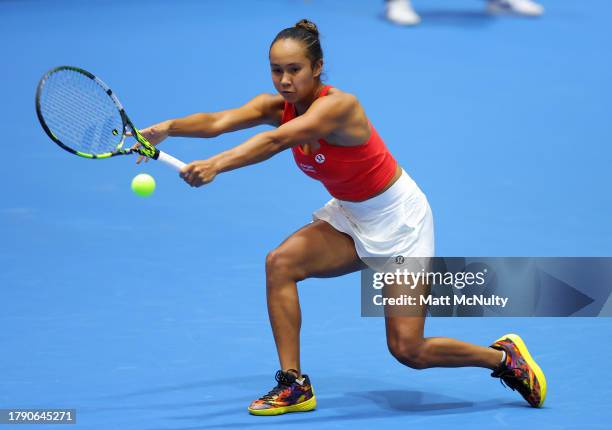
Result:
[401,12]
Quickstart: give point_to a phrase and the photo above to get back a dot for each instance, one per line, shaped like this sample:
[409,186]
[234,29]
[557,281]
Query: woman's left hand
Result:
[198,173]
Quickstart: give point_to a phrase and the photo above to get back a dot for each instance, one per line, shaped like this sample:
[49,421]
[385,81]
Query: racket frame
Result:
[146,149]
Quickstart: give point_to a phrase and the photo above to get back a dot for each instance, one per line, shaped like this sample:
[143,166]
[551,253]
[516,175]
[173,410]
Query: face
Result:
[292,73]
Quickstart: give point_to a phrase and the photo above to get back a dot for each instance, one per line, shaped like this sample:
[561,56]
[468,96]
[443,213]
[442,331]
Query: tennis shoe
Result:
[291,394]
[401,12]
[515,7]
[519,371]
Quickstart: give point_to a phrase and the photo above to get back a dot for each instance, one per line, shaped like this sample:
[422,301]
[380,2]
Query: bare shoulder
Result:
[271,107]
[352,125]
[339,102]
[342,98]
[269,101]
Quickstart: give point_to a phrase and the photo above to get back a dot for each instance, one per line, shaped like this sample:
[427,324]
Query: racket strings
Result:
[80,113]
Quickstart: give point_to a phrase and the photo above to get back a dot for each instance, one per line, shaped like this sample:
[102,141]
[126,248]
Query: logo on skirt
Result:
[320,158]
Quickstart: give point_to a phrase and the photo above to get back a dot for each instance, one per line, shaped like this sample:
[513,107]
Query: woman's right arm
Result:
[263,109]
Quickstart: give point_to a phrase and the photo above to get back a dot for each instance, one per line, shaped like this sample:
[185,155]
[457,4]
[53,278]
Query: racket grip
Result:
[170,160]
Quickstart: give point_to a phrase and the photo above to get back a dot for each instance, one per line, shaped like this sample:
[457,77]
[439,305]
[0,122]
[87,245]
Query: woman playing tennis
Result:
[377,210]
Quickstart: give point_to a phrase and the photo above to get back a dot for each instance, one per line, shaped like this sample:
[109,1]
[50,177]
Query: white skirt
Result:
[395,223]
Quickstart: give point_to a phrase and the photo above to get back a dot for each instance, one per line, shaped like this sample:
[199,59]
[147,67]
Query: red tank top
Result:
[353,173]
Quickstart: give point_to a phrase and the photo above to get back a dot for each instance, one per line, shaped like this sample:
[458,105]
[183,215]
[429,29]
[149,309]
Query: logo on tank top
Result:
[307,168]
[320,158]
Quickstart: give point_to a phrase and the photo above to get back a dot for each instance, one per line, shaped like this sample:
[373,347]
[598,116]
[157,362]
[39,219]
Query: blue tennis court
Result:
[150,313]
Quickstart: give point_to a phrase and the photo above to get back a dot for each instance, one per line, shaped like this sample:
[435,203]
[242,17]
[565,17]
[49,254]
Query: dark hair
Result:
[306,32]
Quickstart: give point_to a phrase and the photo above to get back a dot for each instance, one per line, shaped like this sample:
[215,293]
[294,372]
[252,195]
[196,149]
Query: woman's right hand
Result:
[155,134]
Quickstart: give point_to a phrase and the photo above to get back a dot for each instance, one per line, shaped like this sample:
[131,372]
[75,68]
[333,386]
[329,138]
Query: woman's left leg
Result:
[406,341]
[508,357]
[408,345]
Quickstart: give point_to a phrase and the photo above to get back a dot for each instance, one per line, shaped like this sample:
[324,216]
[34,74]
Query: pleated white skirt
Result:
[395,223]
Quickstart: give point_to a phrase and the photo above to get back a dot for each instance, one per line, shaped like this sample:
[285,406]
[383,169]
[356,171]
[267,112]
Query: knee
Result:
[281,266]
[408,351]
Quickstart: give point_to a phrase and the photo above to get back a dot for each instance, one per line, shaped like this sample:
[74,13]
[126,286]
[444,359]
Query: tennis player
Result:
[377,210]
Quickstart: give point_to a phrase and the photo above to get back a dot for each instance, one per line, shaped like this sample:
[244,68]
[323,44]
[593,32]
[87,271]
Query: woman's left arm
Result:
[324,116]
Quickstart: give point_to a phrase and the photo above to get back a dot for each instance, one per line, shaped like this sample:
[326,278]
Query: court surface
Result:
[150,313]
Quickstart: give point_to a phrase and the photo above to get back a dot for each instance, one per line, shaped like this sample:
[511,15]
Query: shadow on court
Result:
[347,406]
[356,406]
[255,382]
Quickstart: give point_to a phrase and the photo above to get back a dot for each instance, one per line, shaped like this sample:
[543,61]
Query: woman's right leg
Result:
[316,250]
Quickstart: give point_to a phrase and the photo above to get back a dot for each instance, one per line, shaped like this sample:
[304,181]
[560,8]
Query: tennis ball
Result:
[143,185]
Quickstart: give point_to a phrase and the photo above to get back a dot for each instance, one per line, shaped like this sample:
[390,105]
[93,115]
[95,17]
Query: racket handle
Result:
[170,160]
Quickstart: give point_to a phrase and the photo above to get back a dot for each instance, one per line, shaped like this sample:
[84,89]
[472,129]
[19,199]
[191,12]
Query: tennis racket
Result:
[82,115]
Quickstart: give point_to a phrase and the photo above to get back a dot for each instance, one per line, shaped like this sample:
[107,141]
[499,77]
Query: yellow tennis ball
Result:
[143,185]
